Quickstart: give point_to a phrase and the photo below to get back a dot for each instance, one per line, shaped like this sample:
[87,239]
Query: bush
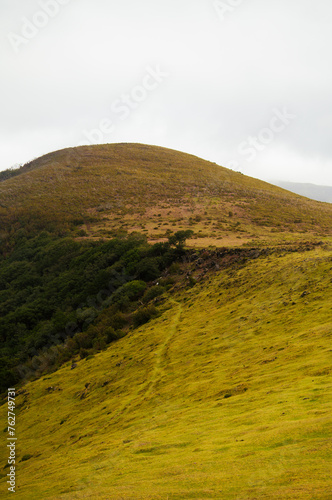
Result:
[144,314]
[100,343]
[152,293]
[85,339]
[174,268]
[127,293]
[84,353]
[110,334]
[118,321]
[81,233]
[148,269]
[179,238]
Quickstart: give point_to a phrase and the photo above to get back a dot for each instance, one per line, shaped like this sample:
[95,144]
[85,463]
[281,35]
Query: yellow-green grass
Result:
[101,189]
[227,395]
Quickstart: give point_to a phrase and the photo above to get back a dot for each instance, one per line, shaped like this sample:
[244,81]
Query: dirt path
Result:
[146,390]
[161,361]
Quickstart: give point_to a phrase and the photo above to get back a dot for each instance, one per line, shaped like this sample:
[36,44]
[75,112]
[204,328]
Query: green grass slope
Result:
[227,395]
[101,190]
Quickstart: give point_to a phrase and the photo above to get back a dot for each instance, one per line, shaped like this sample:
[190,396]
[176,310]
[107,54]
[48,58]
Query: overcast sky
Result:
[243,83]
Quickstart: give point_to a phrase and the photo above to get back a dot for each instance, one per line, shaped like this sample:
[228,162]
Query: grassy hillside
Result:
[100,191]
[217,380]
[233,404]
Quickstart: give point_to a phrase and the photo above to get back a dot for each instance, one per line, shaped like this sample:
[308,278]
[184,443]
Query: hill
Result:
[170,323]
[101,191]
[226,395]
[313,191]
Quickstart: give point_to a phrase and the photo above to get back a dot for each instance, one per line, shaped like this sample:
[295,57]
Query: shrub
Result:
[128,292]
[81,232]
[133,289]
[84,353]
[85,339]
[174,268]
[118,321]
[100,343]
[110,334]
[148,268]
[71,347]
[152,293]
[179,238]
[144,314]
[159,249]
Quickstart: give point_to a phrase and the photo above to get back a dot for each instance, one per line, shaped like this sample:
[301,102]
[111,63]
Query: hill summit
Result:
[104,190]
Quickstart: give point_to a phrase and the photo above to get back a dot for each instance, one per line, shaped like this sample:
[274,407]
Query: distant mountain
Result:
[318,193]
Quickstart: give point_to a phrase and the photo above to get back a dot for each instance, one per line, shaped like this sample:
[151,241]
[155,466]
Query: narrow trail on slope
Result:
[145,390]
[161,352]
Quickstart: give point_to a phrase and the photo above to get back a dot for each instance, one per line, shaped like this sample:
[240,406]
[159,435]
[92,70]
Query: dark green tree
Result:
[179,238]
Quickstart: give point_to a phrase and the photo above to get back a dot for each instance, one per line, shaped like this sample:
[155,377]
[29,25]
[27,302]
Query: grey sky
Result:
[229,81]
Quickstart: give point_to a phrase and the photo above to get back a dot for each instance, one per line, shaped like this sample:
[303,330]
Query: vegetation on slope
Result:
[225,392]
[101,190]
[60,297]
[226,395]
